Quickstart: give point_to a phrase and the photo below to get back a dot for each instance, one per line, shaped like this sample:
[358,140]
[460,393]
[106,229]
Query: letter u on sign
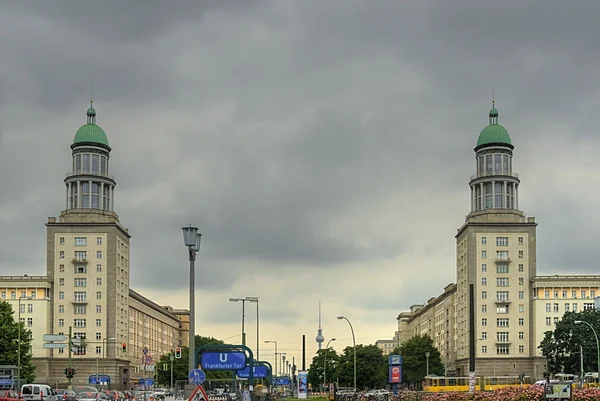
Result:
[223,358]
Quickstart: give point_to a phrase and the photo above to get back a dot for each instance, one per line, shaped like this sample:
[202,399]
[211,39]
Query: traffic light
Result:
[178,352]
[69,372]
[124,345]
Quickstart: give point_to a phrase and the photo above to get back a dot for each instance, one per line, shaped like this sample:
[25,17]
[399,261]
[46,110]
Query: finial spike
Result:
[493,96]
[91,94]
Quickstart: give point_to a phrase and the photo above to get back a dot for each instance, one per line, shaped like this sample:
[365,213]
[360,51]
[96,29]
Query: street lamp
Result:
[274,342]
[282,354]
[325,363]
[191,239]
[243,301]
[427,354]
[255,300]
[353,342]
[19,343]
[597,342]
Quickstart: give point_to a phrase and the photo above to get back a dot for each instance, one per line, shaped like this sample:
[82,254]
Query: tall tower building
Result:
[88,262]
[319,339]
[496,260]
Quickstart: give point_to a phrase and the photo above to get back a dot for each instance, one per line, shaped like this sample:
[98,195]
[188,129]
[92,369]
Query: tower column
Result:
[68,186]
[472,199]
[517,196]
[90,194]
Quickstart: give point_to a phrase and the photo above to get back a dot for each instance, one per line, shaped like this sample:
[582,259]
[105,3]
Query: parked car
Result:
[66,395]
[8,395]
[37,392]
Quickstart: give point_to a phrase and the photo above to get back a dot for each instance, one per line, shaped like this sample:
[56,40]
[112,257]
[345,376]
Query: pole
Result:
[257,332]
[97,369]
[303,352]
[276,358]
[192,339]
[354,344]
[19,345]
[171,359]
[144,358]
[581,364]
[70,353]
[427,357]
[243,316]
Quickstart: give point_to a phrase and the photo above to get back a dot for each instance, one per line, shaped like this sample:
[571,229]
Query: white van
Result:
[37,392]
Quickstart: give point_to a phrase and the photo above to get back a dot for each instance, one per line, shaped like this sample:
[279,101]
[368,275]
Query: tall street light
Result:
[255,300]
[191,239]
[19,343]
[274,342]
[597,343]
[325,363]
[282,354]
[243,301]
[427,354]
[354,343]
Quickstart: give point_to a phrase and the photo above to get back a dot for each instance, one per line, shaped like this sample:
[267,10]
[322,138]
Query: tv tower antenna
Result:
[320,337]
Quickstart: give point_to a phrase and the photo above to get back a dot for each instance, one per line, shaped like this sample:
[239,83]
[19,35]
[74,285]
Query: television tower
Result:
[320,337]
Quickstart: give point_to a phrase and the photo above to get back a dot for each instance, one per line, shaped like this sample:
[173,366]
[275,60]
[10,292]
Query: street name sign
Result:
[259,372]
[54,345]
[223,360]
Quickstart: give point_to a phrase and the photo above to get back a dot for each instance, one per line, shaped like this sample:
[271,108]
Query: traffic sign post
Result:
[197,377]
[395,372]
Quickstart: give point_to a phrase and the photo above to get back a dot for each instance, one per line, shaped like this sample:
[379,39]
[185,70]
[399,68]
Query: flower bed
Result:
[524,393]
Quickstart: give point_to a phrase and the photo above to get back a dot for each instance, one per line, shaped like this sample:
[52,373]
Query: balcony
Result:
[495,174]
[80,301]
[503,259]
[79,261]
[503,342]
[88,173]
[502,301]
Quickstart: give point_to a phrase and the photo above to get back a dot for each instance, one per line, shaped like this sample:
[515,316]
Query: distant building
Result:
[386,346]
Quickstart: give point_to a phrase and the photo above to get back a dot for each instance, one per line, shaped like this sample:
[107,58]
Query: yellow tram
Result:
[441,384]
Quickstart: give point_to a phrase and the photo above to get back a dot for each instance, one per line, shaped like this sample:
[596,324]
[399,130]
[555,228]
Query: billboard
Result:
[302,384]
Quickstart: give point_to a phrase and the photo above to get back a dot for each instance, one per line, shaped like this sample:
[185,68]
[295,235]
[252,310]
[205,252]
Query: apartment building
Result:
[386,346]
[184,325]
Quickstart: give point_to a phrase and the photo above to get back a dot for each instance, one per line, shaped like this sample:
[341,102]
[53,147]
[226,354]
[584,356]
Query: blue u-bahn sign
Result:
[223,360]
[260,372]
[99,379]
[282,381]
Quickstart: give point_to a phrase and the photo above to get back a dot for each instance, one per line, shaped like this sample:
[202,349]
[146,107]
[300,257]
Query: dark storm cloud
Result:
[291,133]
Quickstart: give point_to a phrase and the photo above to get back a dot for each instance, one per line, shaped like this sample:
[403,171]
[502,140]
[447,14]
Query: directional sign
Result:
[282,381]
[223,360]
[100,379]
[54,337]
[395,360]
[76,342]
[54,345]
[260,372]
[197,377]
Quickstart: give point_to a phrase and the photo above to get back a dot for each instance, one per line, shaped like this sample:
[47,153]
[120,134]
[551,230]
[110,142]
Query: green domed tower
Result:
[495,186]
[89,185]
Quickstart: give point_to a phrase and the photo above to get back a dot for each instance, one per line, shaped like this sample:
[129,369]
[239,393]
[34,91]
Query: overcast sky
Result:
[323,148]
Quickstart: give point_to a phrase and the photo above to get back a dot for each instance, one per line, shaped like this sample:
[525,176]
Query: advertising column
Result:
[302,384]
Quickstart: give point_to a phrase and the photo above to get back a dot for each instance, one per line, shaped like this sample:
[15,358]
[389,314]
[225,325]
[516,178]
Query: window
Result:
[555,293]
[483,254]
[29,308]
[521,281]
[61,240]
[98,308]
[574,307]
[502,350]
[61,268]
[574,294]
[80,269]
[483,282]
[502,322]
[555,309]
[520,254]
[61,254]
[502,282]
[502,296]
[593,293]
[61,322]
[555,319]
[79,323]
[588,305]
[99,323]
[567,307]
[61,281]
[80,282]
[79,310]
[502,309]
[484,322]
[483,240]
[502,255]
[98,254]
[61,308]
[13,295]
[521,349]
[546,293]
[483,267]
[484,335]
[521,267]
[99,349]
[98,240]
[501,241]
[32,294]
[521,308]
[564,293]
[521,335]
[98,336]
[484,308]
[80,296]
[29,321]
[520,240]
[484,349]
[501,268]
[548,307]
[483,294]
[99,282]
[583,294]
[521,321]
[22,308]
[3,294]
[99,268]
[502,336]
[80,256]
[80,241]
[98,295]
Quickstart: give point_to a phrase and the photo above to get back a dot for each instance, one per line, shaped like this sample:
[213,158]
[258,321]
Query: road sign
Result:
[146,382]
[282,381]
[198,395]
[197,376]
[395,360]
[395,374]
[223,360]
[148,359]
[145,350]
[6,382]
[100,379]
[54,337]
[54,345]
[76,342]
[259,372]
[150,368]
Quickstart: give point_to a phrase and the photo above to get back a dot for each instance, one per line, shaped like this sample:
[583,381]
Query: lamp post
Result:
[19,342]
[597,342]
[255,300]
[191,239]
[283,354]
[427,354]
[354,343]
[243,301]
[274,342]
[325,363]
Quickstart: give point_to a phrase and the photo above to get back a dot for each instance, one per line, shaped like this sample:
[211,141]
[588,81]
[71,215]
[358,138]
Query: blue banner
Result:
[223,360]
[260,372]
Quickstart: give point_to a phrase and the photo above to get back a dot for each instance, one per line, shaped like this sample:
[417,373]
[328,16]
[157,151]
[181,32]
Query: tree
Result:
[561,347]
[180,366]
[9,343]
[414,360]
[315,371]
[371,367]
